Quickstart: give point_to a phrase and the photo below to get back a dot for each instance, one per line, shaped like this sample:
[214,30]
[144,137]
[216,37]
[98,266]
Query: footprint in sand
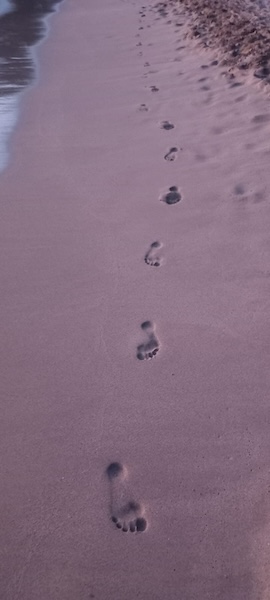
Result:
[167,125]
[172,196]
[239,189]
[126,513]
[143,108]
[236,84]
[172,154]
[261,119]
[154,88]
[152,257]
[150,348]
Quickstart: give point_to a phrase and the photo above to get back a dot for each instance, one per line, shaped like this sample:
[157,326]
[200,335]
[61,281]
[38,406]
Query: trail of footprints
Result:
[126,513]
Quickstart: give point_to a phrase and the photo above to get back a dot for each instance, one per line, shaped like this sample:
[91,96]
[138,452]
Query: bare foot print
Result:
[151,347]
[143,108]
[152,257]
[126,513]
[172,196]
[172,154]
[154,88]
[167,125]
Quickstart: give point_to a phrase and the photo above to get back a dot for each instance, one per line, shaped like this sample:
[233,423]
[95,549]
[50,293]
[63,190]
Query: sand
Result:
[240,29]
[135,319]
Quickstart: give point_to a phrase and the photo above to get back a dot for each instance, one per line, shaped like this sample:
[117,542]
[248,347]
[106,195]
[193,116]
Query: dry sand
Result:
[102,265]
[240,28]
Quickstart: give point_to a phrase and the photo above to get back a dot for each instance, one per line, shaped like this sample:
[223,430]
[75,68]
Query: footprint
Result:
[239,189]
[143,108]
[167,125]
[172,196]
[172,154]
[154,88]
[240,98]
[126,513]
[261,118]
[152,257]
[151,347]
[236,84]
[146,64]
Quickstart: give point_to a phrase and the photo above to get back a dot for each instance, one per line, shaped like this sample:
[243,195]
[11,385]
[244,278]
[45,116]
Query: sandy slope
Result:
[81,204]
[240,28]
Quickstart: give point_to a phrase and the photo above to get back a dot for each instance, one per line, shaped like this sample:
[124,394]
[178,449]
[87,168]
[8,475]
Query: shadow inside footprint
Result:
[152,257]
[172,196]
[167,125]
[126,513]
[150,348]
[172,154]
[154,88]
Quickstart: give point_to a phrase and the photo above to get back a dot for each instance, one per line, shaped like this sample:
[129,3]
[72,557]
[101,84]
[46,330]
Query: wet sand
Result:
[135,334]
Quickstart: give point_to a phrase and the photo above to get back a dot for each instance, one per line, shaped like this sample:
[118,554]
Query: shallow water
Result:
[22,26]
[5,7]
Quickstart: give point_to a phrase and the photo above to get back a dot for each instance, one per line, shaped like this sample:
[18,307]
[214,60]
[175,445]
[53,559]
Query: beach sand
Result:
[135,349]
[240,29]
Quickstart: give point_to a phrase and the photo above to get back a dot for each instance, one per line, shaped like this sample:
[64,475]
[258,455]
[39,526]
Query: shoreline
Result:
[22,30]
